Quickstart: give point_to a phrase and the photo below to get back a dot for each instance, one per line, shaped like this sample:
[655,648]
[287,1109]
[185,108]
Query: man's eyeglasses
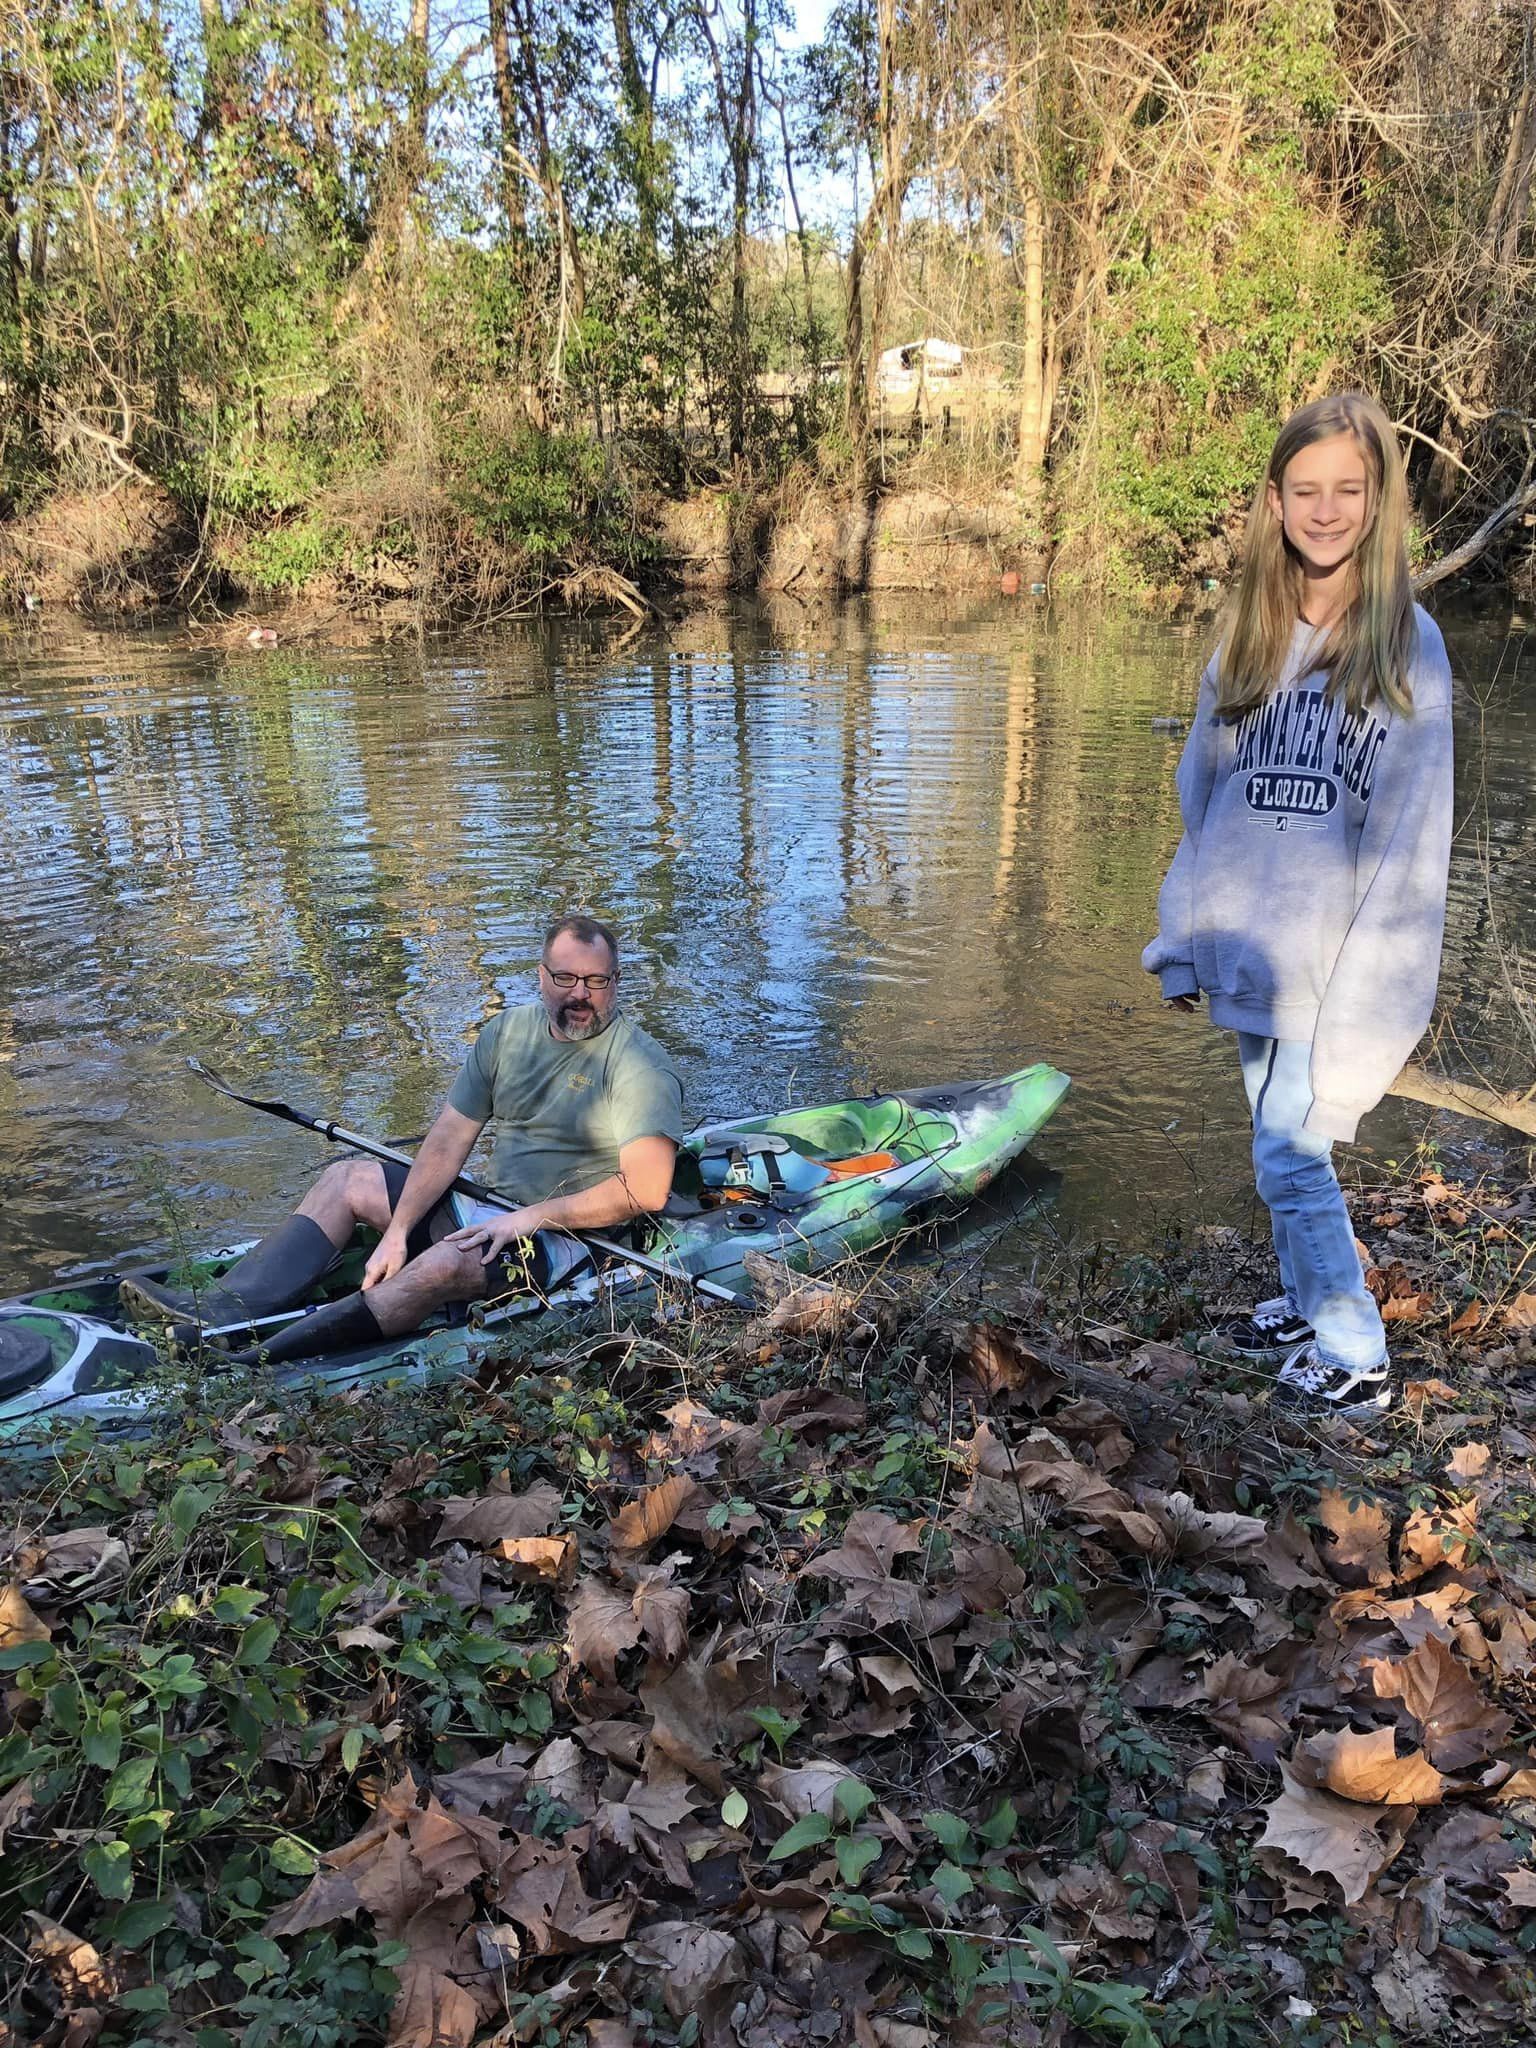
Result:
[595,982]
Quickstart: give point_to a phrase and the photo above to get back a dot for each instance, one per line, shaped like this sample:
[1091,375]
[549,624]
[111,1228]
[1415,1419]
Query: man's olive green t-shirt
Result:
[563,1108]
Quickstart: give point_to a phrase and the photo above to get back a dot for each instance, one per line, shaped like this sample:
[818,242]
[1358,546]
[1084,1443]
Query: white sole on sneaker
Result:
[1307,1381]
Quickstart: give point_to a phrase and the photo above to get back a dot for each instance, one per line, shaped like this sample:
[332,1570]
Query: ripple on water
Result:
[901,849]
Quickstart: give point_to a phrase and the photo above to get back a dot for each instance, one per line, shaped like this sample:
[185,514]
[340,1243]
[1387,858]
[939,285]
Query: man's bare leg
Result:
[280,1271]
[440,1275]
[350,1192]
[393,1308]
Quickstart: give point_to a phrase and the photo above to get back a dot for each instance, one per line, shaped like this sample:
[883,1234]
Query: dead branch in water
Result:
[1476,543]
[1516,1112]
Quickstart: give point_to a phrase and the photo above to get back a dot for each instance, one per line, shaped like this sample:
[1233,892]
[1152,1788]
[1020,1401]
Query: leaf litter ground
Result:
[890,1672]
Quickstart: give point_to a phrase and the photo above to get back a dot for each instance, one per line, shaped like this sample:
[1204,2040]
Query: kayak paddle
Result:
[710,1289]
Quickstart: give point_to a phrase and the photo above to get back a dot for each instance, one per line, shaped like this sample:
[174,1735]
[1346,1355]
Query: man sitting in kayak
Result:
[589,1113]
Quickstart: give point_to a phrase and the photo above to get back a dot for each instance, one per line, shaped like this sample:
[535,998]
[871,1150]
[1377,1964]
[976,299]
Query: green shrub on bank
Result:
[1208,358]
[554,497]
[287,558]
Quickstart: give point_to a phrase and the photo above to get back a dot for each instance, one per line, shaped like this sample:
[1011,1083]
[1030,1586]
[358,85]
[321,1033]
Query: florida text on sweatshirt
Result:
[1307,896]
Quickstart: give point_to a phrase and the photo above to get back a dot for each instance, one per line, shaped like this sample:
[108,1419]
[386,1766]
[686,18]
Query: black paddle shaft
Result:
[338,1135]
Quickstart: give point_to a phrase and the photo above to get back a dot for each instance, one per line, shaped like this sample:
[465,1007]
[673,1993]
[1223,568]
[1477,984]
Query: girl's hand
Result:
[1185,1003]
[489,1239]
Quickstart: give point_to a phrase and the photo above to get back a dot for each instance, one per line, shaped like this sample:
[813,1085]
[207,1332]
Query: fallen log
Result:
[1460,558]
[1467,1098]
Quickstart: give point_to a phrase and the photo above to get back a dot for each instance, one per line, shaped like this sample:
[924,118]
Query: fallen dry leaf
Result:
[498,1517]
[75,1564]
[1192,1532]
[1418,1615]
[1435,1536]
[364,1637]
[808,1788]
[807,1411]
[646,1520]
[1407,1308]
[1005,1475]
[662,1612]
[891,1680]
[1467,1463]
[539,1560]
[1245,1703]
[691,1962]
[1333,1838]
[699,1708]
[1414,1994]
[1469,1849]
[602,1626]
[16,1803]
[1458,1725]
[18,1624]
[1419,1396]
[559,1772]
[1288,1557]
[1470,1319]
[863,1562]
[446,1992]
[817,1310]
[1004,1364]
[1520,1314]
[1367,1768]
[871,1544]
[1354,1549]
[540,1888]
[83,1975]
[491,1784]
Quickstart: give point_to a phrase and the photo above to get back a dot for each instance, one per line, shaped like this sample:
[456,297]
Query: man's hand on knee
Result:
[490,1240]
[389,1255]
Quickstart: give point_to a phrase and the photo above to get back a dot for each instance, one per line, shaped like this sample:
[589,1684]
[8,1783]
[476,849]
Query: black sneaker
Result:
[1272,1327]
[1307,1381]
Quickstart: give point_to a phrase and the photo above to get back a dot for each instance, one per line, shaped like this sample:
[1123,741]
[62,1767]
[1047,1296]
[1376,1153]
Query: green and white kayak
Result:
[807,1186]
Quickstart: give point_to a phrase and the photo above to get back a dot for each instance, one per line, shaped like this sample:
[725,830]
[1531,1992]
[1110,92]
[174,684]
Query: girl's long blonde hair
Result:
[1370,647]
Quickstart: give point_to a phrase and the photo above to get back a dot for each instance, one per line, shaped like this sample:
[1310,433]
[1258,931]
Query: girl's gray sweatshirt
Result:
[1307,896]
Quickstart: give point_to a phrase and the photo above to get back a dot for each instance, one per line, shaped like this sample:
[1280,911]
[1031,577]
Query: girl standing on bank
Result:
[1307,896]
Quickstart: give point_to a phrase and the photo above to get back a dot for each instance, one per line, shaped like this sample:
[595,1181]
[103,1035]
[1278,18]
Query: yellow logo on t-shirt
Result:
[579,1081]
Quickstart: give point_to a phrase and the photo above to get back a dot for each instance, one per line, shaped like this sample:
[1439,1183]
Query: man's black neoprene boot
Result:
[274,1275]
[344,1325]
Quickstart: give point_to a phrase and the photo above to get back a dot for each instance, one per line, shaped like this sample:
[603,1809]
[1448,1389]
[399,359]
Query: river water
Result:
[849,848]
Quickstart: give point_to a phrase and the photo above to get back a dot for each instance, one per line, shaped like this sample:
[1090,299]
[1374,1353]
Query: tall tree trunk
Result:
[418,37]
[1517,207]
[639,121]
[12,270]
[737,114]
[506,110]
[802,239]
[573,281]
[1033,424]
[742,145]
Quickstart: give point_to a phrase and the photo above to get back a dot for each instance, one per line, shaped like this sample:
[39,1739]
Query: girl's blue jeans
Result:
[1314,1239]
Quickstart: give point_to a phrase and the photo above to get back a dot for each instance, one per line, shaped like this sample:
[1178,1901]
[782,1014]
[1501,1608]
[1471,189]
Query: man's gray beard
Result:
[583,1028]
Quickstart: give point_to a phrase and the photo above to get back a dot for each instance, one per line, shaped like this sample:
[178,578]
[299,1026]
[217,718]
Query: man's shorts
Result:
[507,1274]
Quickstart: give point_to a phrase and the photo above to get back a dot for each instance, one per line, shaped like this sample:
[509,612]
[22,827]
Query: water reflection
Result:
[867,847]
